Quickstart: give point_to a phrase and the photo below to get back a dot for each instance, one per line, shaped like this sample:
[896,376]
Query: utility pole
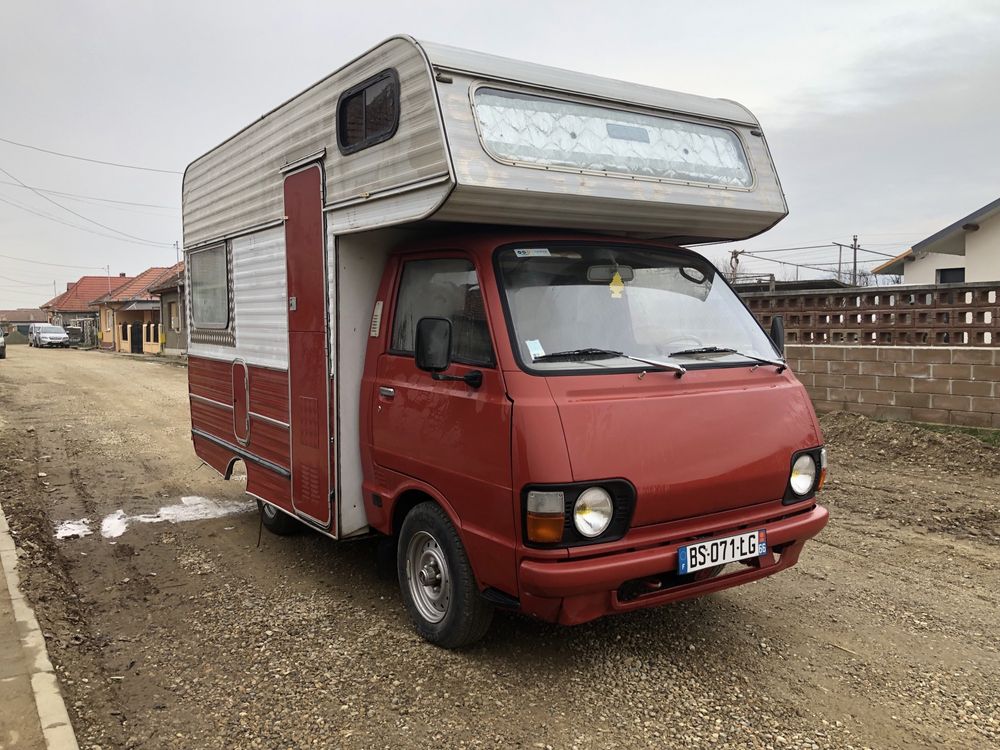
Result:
[734,264]
[177,252]
[840,256]
[854,275]
[840,263]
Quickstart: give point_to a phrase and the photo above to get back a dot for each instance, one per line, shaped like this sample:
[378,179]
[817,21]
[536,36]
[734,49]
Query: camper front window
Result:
[573,306]
[538,131]
[209,288]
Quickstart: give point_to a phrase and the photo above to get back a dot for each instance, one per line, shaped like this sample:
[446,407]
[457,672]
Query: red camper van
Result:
[447,298]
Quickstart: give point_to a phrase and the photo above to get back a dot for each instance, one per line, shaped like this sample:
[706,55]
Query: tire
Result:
[451,614]
[276,521]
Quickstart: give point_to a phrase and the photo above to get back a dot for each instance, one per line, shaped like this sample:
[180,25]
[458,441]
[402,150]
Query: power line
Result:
[21,283]
[85,158]
[90,197]
[55,265]
[57,220]
[786,249]
[85,218]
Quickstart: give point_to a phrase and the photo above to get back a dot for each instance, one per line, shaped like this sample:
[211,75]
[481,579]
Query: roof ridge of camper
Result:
[412,131]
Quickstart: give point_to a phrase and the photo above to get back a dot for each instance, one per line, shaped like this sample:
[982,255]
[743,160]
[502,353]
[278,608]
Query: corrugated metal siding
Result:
[259,291]
[238,185]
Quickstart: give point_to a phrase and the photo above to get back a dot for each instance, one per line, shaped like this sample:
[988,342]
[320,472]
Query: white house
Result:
[966,251]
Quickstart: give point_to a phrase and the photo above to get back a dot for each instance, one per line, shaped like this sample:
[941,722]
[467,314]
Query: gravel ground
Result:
[189,635]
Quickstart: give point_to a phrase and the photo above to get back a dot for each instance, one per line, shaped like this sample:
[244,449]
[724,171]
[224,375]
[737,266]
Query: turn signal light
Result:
[546,515]
[545,528]
[822,470]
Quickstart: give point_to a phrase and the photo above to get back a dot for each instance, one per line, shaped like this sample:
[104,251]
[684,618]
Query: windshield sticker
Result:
[535,348]
[617,286]
[532,252]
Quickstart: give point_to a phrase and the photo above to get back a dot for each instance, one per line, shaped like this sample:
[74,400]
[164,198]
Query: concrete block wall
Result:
[942,385]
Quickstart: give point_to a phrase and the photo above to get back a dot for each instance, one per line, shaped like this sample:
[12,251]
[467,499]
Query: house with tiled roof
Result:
[130,314]
[74,308]
[173,312]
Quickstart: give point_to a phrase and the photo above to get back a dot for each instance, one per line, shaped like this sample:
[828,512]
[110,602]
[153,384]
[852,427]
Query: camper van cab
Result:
[446,298]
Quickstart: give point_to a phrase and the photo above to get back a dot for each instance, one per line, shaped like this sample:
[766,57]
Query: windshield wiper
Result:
[594,353]
[780,364]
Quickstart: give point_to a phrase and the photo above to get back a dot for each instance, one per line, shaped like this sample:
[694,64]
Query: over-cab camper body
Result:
[439,296]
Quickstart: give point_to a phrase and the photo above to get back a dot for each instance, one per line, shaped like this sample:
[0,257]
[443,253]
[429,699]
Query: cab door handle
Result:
[386,392]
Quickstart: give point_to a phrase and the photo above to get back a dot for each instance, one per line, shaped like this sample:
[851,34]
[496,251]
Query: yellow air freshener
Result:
[617,286]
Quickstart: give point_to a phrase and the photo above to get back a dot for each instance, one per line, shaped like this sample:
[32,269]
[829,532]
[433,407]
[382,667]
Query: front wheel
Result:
[436,579]
[277,522]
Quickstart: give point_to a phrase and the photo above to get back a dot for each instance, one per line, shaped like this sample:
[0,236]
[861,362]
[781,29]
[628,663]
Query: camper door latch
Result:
[293,303]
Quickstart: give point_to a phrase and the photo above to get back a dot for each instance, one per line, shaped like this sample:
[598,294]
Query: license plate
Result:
[714,552]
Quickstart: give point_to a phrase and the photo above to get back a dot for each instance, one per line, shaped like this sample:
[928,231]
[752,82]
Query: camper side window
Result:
[368,113]
[444,288]
[209,288]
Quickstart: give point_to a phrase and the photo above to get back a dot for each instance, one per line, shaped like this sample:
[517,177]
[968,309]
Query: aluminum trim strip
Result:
[242,453]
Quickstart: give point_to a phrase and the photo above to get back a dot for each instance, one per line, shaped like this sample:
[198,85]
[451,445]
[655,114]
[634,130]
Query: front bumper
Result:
[573,591]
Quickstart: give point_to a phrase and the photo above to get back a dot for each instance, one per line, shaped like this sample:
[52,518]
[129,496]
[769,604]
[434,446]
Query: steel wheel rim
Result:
[428,577]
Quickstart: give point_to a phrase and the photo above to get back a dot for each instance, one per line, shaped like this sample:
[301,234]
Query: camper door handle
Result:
[385,392]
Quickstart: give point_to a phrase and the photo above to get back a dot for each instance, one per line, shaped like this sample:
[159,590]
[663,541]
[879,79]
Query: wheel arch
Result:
[410,497]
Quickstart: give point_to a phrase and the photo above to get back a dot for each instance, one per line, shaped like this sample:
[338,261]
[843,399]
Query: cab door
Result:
[446,433]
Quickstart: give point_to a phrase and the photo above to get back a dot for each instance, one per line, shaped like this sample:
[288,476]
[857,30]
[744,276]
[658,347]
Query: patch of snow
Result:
[192,508]
[114,525]
[71,529]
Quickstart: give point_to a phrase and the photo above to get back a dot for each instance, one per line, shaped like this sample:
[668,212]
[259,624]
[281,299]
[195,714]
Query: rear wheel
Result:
[276,521]
[436,579]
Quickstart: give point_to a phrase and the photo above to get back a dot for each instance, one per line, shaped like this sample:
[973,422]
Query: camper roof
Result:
[475,138]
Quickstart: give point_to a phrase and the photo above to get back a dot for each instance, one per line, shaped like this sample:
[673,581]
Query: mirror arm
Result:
[473,378]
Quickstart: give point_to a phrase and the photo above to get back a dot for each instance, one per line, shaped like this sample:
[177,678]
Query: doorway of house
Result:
[135,338]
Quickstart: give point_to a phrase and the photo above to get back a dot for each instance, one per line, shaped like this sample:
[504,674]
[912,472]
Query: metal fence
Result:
[916,315]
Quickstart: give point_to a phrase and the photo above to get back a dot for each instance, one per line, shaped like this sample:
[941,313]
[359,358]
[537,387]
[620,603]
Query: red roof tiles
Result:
[80,295]
[137,289]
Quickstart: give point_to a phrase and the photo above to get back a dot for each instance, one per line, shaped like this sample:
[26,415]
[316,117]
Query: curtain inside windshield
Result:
[643,302]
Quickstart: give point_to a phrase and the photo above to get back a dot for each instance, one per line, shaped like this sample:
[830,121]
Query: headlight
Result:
[803,474]
[592,512]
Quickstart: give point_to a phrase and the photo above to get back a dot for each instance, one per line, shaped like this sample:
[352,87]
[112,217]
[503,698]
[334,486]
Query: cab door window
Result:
[443,288]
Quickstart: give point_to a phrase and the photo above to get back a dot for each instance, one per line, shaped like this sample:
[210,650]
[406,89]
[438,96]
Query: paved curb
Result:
[52,715]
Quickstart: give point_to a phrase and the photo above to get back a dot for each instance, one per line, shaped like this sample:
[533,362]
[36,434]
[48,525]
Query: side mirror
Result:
[433,345]
[778,333]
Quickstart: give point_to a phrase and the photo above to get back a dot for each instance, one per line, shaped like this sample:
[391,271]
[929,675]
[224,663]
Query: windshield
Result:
[50,329]
[642,302]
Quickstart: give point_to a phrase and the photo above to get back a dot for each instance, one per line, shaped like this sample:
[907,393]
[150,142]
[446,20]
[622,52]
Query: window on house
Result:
[444,288]
[209,288]
[368,113]
[951,276]
[174,315]
[109,319]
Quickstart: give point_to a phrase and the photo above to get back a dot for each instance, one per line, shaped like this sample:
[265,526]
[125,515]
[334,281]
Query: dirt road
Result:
[188,635]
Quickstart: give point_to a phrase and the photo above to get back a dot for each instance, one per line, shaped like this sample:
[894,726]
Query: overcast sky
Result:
[882,116]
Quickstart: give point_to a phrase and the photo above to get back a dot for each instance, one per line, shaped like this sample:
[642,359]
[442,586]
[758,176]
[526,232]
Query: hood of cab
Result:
[711,441]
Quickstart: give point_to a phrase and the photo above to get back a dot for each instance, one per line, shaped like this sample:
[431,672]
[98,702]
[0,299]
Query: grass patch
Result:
[990,437]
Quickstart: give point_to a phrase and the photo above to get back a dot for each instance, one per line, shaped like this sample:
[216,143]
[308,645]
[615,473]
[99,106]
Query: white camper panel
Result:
[237,186]
[258,321]
[354,281]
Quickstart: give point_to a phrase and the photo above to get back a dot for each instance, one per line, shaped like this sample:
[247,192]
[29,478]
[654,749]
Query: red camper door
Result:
[308,377]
